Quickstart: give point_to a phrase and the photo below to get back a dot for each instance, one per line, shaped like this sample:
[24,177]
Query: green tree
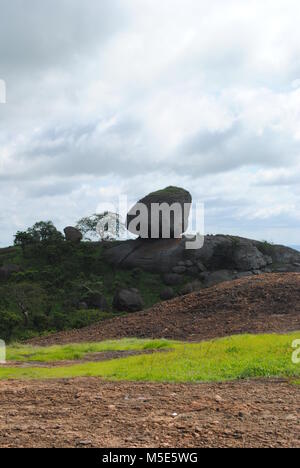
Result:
[10,321]
[28,300]
[41,232]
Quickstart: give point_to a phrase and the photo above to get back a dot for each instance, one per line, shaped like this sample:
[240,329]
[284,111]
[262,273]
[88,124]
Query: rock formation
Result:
[161,215]
[72,234]
[221,258]
[128,300]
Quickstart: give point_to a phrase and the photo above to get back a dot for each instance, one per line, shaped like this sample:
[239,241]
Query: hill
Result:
[258,304]
[50,284]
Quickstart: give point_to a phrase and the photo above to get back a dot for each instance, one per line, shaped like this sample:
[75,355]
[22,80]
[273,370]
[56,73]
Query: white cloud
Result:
[126,96]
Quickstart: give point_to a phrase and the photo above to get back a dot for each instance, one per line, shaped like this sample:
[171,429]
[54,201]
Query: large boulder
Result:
[72,234]
[128,300]
[152,255]
[191,287]
[172,279]
[247,257]
[175,203]
[219,276]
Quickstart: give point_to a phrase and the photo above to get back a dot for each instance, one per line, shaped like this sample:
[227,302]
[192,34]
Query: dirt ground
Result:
[92,413]
[90,357]
[259,304]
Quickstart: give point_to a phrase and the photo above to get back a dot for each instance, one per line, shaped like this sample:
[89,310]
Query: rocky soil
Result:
[92,413]
[257,304]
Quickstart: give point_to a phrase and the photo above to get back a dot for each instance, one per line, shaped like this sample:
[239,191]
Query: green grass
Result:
[19,352]
[237,357]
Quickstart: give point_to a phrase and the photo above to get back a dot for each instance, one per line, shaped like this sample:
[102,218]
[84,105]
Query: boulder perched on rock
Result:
[72,234]
[128,300]
[161,215]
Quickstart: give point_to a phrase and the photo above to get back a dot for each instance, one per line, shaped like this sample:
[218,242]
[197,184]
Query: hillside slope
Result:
[258,304]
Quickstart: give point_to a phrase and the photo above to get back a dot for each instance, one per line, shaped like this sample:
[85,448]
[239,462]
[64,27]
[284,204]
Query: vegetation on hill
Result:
[56,281]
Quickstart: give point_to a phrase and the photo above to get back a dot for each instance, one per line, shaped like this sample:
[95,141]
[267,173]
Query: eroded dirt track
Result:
[92,413]
[259,304]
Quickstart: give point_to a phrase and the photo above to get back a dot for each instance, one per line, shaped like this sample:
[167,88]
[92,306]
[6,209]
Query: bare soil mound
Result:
[92,413]
[267,303]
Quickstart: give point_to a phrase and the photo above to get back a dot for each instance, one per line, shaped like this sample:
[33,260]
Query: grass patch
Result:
[25,353]
[237,357]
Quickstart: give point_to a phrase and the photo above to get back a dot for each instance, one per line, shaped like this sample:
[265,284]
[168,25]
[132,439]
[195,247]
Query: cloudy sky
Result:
[122,97]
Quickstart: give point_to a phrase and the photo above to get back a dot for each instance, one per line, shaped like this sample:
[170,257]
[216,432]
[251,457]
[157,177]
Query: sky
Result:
[109,98]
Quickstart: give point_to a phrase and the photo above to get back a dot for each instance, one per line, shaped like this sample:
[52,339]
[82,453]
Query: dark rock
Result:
[157,256]
[72,234]
[247,257]
[204,276]
[167,294]
[219,277]
[172,279]
[283,269]
[154,228]
[187,289]
[268,259]
[82,306]
[97,301]
[201,267]
[218,253]
[278,253]
[191,287]
[244,274]
[128,300]
[180,270]
[193,271]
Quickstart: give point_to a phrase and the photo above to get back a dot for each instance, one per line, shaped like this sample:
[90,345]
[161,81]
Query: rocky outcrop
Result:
[73,234]
[155,227]
[128,300]
[220,259]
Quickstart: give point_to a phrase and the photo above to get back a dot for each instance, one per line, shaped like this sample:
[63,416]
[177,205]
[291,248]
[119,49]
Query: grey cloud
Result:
[221,151]
[62,143]
[36,34]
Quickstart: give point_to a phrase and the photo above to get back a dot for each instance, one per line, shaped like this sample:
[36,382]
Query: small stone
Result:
[179,270]
[85,442]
